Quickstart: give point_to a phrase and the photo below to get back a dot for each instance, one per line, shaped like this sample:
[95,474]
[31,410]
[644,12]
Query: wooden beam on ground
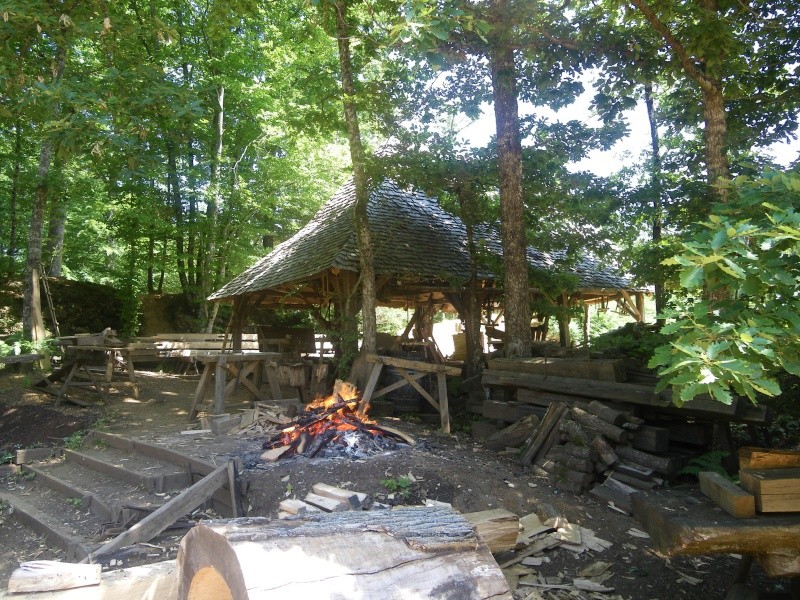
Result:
[166,515]
[727,495]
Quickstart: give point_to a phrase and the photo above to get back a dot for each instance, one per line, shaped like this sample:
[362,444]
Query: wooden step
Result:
[46,525]
[157,482]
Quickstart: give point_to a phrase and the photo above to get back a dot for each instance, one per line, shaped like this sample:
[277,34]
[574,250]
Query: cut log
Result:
[394,555]
[605,451]
[776,490]
[651,439]
[514,435]
[609,415]
[657,463]
[498,528]
[727,495]
[574,451]
[591,421]
[574,433]
[634,482]
[765,458]
[50,575]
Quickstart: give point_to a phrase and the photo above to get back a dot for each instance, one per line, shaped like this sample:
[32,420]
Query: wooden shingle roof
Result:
[412,236]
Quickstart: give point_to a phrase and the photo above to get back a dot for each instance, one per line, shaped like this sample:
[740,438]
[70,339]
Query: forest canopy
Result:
[164,145]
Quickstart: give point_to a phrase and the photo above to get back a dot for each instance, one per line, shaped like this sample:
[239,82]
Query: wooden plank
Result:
[414,365]
[766,458]
[578,368]
[509,412]
[295,506]
[166,515]
[341,495]
[775,490]
[727,495]
[51,575]
[146,582]
[542,438]
[28,455]
[325,503]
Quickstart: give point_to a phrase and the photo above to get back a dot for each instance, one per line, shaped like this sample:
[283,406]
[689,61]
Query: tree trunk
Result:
[516,291]
[471,307]
[55,237]
[212,212]
[11,250]
[32,319]
[173,187]
[365,250]
[656,190]
[151,252]
[716,132]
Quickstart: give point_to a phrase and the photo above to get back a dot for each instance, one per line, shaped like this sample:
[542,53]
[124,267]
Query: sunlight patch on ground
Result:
[131,401]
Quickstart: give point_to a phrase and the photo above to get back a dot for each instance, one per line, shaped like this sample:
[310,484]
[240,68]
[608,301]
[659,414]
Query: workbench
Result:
[410,371]
[92,367]
[240,366]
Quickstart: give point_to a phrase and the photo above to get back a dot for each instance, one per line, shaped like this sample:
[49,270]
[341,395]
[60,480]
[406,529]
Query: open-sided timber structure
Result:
[422,261]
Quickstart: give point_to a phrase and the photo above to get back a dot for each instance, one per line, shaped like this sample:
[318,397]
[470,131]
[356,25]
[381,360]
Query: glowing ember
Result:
[334,424]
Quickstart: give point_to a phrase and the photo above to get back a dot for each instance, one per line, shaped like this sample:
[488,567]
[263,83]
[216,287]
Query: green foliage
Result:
[400,485]
[633,340]
[76,502]
[6,457]
[710,461]
[75,441]
[744,263]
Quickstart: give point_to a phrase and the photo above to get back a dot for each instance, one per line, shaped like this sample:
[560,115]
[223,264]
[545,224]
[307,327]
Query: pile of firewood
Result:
[597,449]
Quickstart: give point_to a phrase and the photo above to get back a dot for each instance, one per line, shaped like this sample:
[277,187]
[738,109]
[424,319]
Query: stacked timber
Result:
[595,449]
[772,477]
[533,384]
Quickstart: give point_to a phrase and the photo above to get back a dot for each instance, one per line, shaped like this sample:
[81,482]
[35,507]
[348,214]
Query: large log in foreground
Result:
[404,553]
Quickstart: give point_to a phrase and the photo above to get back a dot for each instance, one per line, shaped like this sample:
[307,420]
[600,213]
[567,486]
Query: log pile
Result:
[581,450]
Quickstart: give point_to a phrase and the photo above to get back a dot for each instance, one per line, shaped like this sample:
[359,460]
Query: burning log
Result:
[398,554]
[333,424]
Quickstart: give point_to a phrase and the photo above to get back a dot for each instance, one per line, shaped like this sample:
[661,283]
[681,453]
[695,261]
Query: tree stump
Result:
[398,554]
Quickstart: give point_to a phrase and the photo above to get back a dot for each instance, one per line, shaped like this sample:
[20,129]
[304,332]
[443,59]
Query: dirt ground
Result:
[449,468]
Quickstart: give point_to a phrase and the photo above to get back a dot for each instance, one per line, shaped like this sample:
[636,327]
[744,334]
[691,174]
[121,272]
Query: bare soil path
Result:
[448,468]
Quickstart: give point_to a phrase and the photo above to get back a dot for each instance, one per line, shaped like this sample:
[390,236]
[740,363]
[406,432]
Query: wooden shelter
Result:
[422,262]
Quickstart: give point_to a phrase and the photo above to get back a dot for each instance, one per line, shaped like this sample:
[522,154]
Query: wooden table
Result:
[240,365]
[85,360]
[683,521]
[421,369]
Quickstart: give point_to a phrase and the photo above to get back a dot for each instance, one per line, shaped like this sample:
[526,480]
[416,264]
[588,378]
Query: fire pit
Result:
[334,427]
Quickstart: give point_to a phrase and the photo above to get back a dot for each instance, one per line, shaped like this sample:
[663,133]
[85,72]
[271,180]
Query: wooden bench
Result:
[187,348]
[16,359]
[683,521]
